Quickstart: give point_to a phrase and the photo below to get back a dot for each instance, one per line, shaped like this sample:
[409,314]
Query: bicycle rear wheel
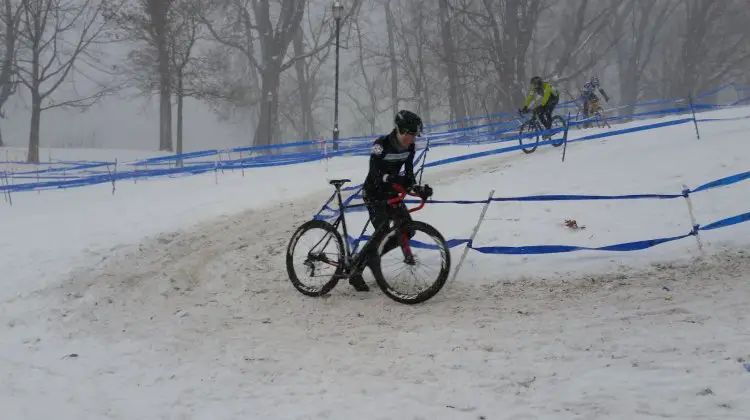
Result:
[425,254]
[322,264]
[528,136]
[601,121]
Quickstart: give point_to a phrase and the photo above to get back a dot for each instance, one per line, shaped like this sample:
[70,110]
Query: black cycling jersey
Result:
[386,160]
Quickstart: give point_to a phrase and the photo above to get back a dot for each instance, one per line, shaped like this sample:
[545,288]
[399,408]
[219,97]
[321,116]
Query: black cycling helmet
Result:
[408,122]
[536,81]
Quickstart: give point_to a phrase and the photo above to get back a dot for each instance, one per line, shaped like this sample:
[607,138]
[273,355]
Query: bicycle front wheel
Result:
[528,136]
[412,263]
[558,124]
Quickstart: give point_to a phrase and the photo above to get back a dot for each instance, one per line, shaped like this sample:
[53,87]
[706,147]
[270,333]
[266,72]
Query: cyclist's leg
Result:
[376,207]
[399,214]
[586,108]
[587,111]
[548,109]
[544,116]
[378,217]
[597,107]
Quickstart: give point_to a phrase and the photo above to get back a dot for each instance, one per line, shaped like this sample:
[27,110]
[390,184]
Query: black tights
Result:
[545,111]
[382,213]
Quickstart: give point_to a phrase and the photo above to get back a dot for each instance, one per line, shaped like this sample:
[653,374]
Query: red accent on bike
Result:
[402,194]
[407,248]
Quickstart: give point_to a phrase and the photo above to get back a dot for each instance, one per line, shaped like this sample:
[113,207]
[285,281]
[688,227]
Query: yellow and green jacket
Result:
[548,90]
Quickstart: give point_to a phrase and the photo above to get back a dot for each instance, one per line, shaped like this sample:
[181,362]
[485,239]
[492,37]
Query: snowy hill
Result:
[172,294]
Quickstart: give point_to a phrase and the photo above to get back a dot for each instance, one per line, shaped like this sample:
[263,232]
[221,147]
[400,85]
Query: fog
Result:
[264,74]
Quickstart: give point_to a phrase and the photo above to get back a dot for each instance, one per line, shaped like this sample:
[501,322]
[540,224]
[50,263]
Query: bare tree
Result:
[307,80]
[370,109]
[391,28]
[580,43]
[306,88]
[147,22]
[189,71]
[714,34]
[246,22]
[10,16]
[54,36]
[413,28]
[501,32]
[450,59]
[636,45]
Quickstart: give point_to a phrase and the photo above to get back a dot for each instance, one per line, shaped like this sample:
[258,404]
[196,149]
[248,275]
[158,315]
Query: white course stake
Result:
[686,194]
[473,234]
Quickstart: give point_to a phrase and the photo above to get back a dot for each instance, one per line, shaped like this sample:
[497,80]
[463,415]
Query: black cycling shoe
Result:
[358,282]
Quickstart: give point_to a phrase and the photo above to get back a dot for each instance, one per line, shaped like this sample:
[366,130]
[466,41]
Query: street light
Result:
[338,11]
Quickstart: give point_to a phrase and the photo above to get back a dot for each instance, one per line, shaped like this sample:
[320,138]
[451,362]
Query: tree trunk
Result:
[165,109]
[180,121]
[457,105]
[424,98]
[36,118]
[694,48]
[394,61]
[7,88]
[423,83]
[266,130]
[625,56]
[159,10]
[308,127]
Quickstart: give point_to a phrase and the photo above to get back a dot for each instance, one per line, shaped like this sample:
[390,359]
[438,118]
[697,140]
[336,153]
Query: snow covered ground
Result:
[169,299]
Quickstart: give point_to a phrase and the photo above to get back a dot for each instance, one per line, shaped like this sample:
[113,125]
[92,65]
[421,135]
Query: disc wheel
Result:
[412,270]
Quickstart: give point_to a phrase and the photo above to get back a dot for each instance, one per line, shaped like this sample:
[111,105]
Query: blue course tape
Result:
[555,249]
[491,132]
[722,119]
[729,221]
[562,197]
[729,180]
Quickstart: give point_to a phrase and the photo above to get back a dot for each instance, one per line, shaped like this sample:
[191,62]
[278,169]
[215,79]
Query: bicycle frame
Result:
[534,119]
[341,218]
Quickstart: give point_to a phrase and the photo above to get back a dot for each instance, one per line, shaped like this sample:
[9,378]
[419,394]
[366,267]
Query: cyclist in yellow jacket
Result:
[550,97]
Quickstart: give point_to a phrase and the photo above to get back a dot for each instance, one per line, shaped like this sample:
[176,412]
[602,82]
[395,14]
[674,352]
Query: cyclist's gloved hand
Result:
[402,180]
[524,110]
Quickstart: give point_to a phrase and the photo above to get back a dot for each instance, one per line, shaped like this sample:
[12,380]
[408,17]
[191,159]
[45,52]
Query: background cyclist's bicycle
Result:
[532,129]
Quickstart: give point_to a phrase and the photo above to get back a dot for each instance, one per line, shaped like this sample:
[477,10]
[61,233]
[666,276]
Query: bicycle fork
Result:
[406,248]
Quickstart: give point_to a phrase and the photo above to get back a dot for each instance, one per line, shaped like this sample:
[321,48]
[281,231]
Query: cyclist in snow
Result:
[389,153]
[588,95]
[550,97]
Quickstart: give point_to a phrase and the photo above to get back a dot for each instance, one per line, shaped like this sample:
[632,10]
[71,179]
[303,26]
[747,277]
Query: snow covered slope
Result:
[173,297]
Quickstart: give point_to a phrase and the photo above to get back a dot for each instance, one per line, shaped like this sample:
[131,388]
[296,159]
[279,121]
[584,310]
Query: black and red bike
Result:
[420,249]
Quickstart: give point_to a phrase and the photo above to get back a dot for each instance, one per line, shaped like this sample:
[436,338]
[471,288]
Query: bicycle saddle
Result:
[338,182]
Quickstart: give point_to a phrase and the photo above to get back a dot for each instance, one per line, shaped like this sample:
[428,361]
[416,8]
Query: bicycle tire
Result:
[528,127]
[330,284]
[431,291]
[564,125]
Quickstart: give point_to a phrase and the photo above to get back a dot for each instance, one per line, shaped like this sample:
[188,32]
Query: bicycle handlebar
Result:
[402,194]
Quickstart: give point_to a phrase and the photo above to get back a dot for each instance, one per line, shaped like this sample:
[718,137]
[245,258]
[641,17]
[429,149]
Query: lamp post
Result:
[338,11]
